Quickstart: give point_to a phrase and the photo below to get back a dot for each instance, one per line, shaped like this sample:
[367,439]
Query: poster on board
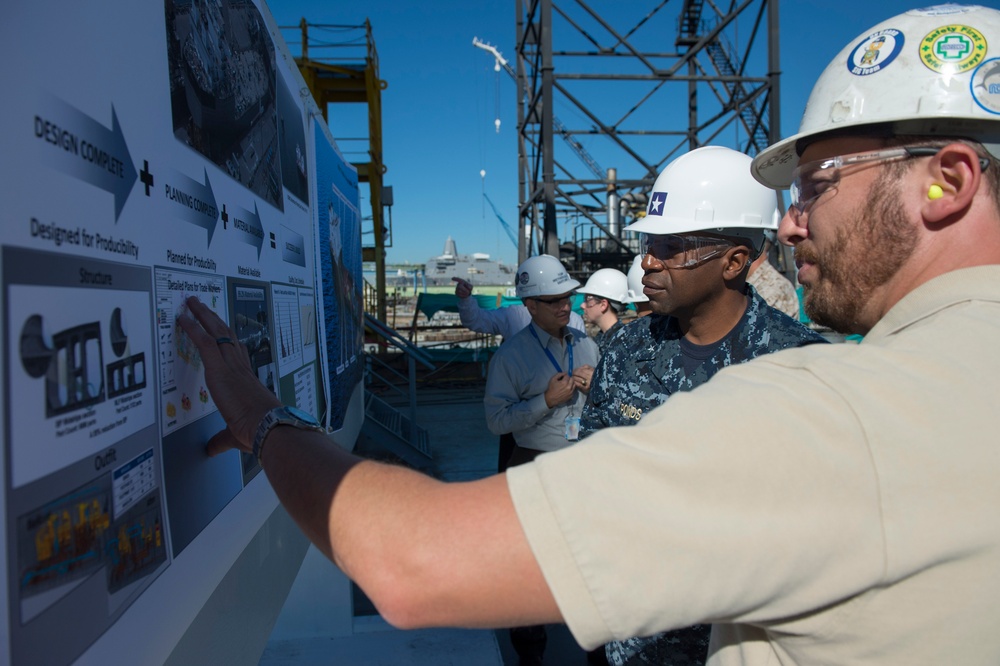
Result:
[339,255]
[170,161]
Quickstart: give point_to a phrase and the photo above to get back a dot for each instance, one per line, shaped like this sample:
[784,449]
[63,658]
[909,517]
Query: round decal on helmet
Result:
[523,278]
[953,49]
[985,85]
[875,52]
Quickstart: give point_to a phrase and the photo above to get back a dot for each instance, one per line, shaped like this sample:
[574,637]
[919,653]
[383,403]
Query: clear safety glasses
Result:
[811,179]
[684,251]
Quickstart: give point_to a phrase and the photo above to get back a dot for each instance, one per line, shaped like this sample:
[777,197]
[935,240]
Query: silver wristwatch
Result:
[285,415]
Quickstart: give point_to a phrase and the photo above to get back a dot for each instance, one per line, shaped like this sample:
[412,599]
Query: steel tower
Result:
[632,94]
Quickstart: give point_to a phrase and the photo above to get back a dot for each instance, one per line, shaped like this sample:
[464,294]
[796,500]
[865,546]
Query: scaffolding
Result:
[649,106]
[340,65]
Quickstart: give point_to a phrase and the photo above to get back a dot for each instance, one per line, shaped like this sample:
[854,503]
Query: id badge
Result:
[572,428]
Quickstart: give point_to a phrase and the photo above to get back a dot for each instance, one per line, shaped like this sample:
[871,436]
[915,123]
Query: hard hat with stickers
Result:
[543,275]
[927,72]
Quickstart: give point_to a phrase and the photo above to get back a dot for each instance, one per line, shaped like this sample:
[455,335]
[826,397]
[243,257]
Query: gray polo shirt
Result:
[518,376]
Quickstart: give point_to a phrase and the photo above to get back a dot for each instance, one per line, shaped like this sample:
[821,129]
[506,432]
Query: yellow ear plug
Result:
[935,192]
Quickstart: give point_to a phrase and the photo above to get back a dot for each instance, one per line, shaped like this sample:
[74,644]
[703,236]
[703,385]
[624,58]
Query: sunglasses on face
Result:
[684,250]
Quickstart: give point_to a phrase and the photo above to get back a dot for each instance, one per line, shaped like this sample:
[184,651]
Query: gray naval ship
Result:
[477,268]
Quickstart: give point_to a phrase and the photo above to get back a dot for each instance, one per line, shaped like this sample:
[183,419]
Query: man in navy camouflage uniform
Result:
[649,360]
[705,225]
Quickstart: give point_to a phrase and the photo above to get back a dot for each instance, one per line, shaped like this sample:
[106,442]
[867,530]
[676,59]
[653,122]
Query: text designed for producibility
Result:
[58,235]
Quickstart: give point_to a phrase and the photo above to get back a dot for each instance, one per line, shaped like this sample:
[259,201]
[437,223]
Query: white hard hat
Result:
[543,275]
[635,273]
[925,72]
[607,283]
[709,189]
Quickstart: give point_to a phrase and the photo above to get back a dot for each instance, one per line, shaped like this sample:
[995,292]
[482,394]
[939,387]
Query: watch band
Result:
[284,415]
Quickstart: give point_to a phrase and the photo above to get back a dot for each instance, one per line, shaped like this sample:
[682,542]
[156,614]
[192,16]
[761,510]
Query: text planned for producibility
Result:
[188,259]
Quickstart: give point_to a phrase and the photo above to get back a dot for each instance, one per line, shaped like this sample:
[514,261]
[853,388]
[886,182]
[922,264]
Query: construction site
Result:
[472,333]
[425,371]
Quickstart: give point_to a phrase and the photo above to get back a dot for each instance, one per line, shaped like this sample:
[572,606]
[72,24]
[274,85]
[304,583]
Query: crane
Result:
[506,227]
[501,63]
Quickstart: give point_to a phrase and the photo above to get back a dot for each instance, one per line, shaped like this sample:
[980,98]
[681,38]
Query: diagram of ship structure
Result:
[83,439]
[84,378]
[476,268]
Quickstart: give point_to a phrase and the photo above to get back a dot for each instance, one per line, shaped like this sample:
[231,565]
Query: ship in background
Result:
[477,268]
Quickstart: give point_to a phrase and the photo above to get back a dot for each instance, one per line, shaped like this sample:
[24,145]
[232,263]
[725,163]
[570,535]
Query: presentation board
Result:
[156,151]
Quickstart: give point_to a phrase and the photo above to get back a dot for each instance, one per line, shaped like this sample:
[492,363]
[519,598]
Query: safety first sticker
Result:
[875,52]
[985,85]
[953,49]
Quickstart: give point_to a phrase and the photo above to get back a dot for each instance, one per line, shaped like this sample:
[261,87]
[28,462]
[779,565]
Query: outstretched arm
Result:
[505,321]
[427,553]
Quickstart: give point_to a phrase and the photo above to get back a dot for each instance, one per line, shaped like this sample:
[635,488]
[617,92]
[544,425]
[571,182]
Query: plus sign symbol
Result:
[953,47]
[146,176]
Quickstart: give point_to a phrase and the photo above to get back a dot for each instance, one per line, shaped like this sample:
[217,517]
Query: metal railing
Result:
[413,355]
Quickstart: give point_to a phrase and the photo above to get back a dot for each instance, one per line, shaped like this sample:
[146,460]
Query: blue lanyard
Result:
[549,354]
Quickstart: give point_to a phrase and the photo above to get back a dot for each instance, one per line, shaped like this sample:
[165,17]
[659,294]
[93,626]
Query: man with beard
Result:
[704,318]
[858,528]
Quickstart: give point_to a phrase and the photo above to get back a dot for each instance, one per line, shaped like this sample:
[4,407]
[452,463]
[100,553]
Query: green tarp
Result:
[431,303]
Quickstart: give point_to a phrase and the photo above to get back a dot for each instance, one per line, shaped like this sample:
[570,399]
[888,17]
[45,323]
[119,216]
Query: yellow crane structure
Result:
[334,80]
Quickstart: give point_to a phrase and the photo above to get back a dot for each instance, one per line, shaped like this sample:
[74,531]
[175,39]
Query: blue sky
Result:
[440,104]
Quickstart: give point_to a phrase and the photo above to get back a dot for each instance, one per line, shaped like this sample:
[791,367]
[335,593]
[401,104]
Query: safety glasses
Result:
[684,251]
[812,179]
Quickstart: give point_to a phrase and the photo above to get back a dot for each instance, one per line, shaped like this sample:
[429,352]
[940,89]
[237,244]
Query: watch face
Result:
[301,415]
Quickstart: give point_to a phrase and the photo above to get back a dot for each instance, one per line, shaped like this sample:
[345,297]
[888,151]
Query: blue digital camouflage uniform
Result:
[641,366]
[646,362]
[604,337]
